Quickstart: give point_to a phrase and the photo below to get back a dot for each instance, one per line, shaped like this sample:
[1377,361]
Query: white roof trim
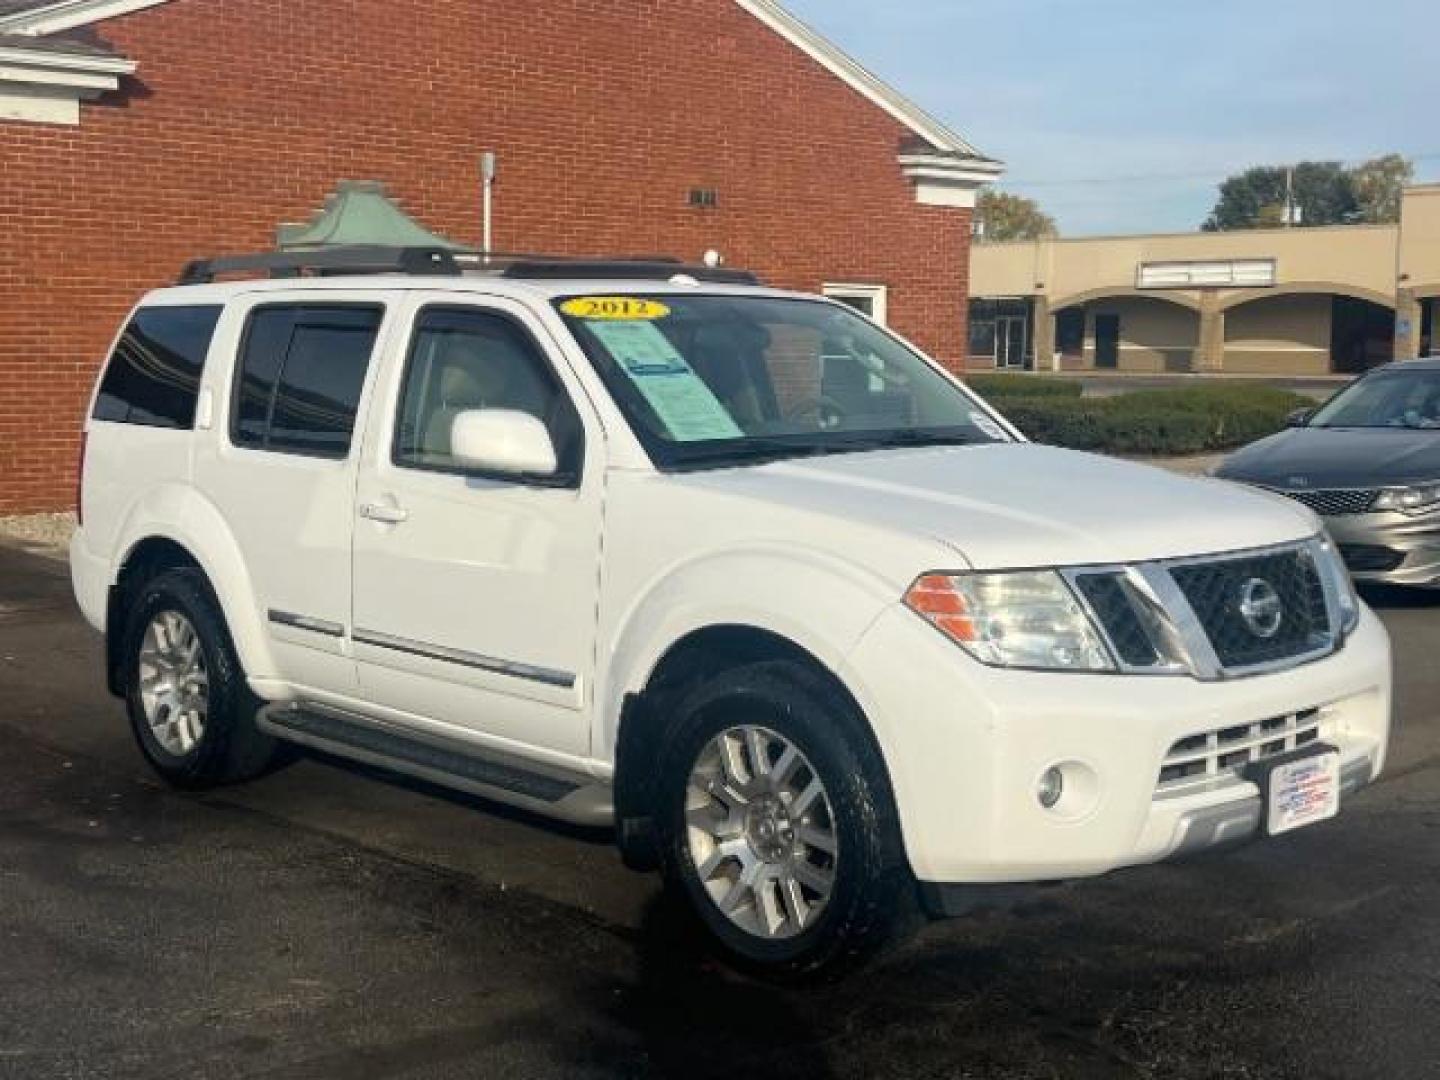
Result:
[838,63]
[68,14]
[62,62]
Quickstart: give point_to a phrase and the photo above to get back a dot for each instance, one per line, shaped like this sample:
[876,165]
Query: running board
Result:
[573,799]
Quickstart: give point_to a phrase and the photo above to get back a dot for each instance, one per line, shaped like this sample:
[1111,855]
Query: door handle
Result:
[384,514]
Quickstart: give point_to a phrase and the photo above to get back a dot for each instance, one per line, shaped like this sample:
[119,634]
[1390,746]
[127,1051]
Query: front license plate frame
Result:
[1299,789]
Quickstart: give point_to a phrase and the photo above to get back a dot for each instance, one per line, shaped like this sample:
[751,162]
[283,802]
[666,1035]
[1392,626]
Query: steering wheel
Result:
[828,413]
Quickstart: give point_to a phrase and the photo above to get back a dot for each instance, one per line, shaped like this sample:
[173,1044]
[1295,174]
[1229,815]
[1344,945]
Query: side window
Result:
[153,377]
[461,360]
[301,372]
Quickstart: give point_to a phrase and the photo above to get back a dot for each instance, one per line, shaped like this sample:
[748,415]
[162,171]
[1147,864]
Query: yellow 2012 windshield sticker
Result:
[615,309]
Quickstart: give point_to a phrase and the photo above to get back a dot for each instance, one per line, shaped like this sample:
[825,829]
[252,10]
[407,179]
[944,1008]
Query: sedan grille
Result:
[1224,754]
[1336,503]
[1258,609]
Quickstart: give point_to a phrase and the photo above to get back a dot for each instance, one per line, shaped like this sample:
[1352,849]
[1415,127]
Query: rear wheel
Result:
[190,707]
[779,825]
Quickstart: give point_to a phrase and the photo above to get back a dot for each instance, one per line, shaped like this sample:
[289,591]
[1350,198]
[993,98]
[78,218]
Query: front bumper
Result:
[967,745]
[1392,547]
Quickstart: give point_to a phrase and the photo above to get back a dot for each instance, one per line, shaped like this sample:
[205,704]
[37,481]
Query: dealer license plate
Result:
[1303,791]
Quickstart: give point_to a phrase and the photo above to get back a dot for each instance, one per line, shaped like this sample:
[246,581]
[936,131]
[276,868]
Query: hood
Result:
[1317,458]
[1020,505]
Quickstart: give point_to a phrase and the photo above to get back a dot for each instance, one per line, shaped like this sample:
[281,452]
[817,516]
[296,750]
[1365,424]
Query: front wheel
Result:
[779,823]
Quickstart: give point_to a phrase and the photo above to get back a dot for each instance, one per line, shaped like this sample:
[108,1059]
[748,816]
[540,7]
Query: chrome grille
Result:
[1215,589]
[1216,617]
[1224,753]
[1337,503]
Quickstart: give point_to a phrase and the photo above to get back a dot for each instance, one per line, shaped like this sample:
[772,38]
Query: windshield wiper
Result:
[887,440]
[754,452]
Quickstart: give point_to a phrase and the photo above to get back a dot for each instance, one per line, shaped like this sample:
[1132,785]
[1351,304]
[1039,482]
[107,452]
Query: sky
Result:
[1123,116]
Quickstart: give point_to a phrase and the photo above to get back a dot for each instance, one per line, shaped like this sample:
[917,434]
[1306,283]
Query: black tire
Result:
[872,900]
[232,749]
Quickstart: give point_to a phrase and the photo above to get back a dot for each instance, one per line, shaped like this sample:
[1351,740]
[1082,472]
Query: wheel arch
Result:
[699,655]
[175,527]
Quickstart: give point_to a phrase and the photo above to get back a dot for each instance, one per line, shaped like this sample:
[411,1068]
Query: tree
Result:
[1255,199]
[1012,217]
[1378,185]
[1325,192]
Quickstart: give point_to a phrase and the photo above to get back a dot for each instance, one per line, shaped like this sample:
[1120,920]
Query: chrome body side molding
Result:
[550,677]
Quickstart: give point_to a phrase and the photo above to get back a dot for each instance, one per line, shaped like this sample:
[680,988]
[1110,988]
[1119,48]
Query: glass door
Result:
[1010,341]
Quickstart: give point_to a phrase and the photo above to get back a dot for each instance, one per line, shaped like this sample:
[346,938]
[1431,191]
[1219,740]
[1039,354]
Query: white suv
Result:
[733,569]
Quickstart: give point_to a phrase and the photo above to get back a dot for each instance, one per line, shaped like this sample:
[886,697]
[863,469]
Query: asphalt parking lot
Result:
[318,924]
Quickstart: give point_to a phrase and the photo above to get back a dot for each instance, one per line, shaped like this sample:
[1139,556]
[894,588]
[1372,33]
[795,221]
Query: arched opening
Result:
[1126,331]
[1307,332]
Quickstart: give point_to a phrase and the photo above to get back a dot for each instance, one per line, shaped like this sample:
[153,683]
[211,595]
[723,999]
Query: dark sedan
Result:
[1368,462]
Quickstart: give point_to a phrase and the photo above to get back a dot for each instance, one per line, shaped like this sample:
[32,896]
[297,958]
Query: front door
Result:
[1010,334]
[1107,341]
[475,594]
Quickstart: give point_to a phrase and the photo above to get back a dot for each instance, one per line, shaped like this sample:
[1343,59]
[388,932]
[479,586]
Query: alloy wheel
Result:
[174,683]
[761,832]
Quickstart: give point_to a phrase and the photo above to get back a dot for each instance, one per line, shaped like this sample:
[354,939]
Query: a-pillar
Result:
[1408,314]
[1042,333]
[1210,353]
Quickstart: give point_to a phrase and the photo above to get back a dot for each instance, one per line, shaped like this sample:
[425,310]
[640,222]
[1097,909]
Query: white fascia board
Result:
[66,64]
[943,180]
[47,87]
[68,14]
[838,63]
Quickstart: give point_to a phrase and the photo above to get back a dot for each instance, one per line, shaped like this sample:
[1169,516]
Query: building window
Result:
[1070,332]
[872,301]
[1000,332]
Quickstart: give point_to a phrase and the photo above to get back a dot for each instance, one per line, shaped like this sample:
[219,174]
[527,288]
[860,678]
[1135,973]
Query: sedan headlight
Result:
[1415,499]
[1025,619]
[1331,565]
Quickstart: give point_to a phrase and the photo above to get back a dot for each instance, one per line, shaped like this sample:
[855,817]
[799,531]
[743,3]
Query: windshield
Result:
[1390,399]
[714,380]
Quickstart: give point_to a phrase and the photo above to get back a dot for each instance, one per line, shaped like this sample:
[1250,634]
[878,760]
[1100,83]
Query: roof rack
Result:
[548,269]
[365,259]
[418,261]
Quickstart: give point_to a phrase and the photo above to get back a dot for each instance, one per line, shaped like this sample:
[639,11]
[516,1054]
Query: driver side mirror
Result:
[503,441]
[1299,418]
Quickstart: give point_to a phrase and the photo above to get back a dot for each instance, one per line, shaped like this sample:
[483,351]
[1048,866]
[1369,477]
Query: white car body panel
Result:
[600,583]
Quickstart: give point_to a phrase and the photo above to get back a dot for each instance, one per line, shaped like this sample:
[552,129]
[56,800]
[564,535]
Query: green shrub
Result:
[1000,385]
[1184,420]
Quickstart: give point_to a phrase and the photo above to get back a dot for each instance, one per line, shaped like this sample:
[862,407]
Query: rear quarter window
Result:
[153,377]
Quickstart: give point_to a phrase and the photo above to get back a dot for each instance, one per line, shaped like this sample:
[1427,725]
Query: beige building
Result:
[1266,301]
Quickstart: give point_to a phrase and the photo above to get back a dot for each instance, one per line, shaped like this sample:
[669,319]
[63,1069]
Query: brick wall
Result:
[245,115]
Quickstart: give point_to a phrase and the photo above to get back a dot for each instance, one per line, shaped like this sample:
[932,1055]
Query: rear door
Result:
[475,594]
[281,467]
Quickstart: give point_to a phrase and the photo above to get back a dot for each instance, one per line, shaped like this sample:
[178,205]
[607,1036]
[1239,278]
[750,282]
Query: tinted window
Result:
[154,375]
[302,370]
[466,360]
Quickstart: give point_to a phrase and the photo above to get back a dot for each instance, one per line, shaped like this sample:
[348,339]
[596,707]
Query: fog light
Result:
[1052,788]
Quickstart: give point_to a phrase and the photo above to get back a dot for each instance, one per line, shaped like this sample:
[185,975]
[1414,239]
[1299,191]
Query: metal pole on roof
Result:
[488,168]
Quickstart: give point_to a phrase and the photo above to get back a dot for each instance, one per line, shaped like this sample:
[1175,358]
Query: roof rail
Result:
[625,269]
[359,259]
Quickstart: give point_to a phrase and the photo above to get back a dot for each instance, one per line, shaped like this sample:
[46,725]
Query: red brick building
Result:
[137,134]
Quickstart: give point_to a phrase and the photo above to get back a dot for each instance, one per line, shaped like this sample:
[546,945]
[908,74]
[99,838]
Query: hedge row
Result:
[1026,386]
[1192,420]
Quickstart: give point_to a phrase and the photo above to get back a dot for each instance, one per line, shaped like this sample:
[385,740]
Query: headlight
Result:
[1027,619]
[1416,499]
[1329,562]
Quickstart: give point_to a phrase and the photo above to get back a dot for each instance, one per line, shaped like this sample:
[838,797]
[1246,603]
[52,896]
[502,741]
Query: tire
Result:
[809,912]
[176,613]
